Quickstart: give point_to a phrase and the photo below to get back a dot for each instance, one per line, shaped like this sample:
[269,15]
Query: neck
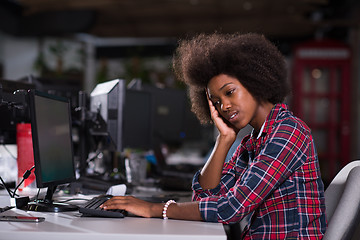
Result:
[262,112]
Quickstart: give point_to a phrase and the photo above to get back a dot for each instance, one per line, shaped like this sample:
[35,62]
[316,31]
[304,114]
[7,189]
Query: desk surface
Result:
[71,225]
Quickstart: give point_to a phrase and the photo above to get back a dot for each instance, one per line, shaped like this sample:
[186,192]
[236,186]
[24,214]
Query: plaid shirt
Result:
[273,180]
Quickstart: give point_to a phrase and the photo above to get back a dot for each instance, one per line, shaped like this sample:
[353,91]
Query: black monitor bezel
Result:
[36,151]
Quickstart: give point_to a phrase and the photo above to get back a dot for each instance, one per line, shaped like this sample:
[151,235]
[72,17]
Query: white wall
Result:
[17,56]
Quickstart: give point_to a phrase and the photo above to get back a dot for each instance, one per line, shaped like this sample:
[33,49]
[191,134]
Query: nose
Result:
[225,105]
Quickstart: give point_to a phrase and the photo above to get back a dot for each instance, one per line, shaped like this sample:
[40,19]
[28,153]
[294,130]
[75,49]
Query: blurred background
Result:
[72,45]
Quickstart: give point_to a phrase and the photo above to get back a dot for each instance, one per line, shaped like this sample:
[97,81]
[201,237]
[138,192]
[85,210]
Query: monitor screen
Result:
[52,140]
[52,134]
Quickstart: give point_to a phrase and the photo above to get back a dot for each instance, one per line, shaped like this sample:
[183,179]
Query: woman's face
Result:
[232,100]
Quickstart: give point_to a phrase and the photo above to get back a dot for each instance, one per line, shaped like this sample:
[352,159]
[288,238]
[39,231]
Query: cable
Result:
[8,151]
[7,189]
[25,176]
[11,193]
[21,201]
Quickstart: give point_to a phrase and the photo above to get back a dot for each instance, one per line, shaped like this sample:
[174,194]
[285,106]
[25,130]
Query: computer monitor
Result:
[107,101]
[126,115]
[52,146]
[168,114]
[138,120]
[174,123]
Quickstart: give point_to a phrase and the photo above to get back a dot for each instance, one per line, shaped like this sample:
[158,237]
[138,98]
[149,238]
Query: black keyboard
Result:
[92,208]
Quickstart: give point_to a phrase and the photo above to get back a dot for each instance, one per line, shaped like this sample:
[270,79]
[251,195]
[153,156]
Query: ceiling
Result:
[175,18]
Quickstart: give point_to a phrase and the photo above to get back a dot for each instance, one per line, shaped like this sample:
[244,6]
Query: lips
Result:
[232,116]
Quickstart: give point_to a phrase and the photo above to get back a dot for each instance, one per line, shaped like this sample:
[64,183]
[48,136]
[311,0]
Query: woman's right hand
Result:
[211,173]
[225,129]
[133,205]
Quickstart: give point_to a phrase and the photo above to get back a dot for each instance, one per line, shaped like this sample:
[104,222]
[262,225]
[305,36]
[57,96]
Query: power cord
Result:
[6,187]
[8,151]
[21,201]
[25,176]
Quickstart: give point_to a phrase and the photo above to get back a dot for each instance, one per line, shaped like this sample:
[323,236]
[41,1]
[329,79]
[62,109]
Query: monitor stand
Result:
[42,206]
[47,205]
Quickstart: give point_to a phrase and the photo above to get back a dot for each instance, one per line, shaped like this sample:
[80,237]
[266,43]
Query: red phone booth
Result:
[321,97]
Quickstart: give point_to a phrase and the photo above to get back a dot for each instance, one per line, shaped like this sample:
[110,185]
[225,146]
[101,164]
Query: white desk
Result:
[70,225]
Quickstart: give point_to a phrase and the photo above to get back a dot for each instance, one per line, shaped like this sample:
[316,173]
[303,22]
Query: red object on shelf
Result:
[25,155]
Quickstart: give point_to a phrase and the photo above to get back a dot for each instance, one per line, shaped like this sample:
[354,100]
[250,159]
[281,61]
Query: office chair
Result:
[342,200]
[232,231]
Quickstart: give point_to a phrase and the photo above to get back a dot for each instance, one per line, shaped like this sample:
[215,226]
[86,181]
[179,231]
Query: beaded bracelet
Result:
[167,204]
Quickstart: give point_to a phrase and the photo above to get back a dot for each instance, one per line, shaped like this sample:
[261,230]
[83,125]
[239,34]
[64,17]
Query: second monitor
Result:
[126,114]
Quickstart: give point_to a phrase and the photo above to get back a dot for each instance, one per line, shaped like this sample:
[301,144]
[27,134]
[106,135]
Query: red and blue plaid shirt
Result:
[273,180]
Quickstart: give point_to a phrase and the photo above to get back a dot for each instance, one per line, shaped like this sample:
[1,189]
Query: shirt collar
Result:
[261,130]
[271,118]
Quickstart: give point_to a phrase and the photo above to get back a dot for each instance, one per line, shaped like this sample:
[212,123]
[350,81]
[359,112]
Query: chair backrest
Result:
[342,200]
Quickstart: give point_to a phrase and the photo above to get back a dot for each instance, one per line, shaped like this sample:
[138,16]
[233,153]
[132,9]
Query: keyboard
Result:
[92,208]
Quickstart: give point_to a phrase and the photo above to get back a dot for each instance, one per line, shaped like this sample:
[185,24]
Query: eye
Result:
[229,92]
[215,103]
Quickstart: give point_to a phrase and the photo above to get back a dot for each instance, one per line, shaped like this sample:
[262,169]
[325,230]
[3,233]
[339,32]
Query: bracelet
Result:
[167,204]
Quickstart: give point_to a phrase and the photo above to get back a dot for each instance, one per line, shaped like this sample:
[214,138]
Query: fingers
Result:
[213,112]
[130,204]
[211,105]
[122,202]
[118,202]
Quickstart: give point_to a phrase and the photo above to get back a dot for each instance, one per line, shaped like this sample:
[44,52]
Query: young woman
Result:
[272,184]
